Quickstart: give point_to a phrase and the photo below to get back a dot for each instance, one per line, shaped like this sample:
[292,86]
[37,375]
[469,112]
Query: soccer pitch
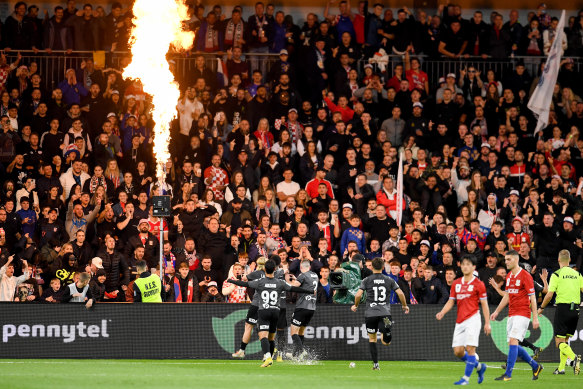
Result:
[75,373]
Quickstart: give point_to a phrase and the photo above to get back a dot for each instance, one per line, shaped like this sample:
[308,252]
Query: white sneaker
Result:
[303,356]
[239,354]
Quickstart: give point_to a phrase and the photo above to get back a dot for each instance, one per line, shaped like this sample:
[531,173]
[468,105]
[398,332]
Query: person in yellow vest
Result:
[567,284]
[147,288]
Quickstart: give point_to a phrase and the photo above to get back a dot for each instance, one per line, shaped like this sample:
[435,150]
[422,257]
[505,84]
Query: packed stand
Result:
[300,162]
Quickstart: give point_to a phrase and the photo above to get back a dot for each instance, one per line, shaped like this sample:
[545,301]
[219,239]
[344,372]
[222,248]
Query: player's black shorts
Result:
[282,319]
[566,320]
[267,320]
[375,323]
[301,317]
[252,315]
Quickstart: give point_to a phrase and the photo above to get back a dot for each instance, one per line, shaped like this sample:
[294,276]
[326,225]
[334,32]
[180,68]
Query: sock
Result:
[265,345]
[297,344]
[387,338]
[302,338]
[374,352]
[526,343]
[567,350]
[271,346]
[523,354]
[465,357]
[470,365]
[511,360]
[243,346]
[562,361]
[280,339]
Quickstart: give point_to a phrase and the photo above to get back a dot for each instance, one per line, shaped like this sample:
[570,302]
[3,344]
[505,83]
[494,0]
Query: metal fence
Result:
[52,66]
[436,68]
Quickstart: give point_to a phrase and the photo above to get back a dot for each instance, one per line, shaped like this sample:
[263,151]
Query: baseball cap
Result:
[292,110]
[368,65]
[569,219]
[517,219]
[486,144]
[143,221]
[441,80]
[212,283]
[426,243]
[514,192]
[283,51]
[450,75]
[111,114]
[114,92]
[97,262]
[418,104]
[346,205]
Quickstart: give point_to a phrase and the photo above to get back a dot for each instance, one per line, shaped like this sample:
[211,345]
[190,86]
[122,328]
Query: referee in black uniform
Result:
[567,284]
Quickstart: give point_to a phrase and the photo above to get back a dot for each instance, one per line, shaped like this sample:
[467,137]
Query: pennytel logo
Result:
[69,332]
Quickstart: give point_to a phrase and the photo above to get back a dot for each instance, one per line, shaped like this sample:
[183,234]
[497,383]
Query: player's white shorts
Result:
[467,333]
[516,327]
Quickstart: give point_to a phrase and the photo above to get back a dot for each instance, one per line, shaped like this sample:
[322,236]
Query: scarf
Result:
[325,230]
[259,24]
[193,261]
[211,41]
[95,182]
[412,298]
[234,32]
[258,212]
[115,179]
[178,293]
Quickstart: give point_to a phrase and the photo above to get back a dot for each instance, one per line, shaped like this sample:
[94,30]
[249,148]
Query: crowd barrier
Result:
[184,331]
[53,66]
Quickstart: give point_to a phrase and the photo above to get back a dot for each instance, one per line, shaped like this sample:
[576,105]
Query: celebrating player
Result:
[377,316]
[521,304]
[269,289]
[251,319]
[305,307]
[469,292]
[568,285]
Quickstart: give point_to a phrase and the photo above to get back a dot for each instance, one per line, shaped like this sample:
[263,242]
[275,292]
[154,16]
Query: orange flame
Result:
[157,26]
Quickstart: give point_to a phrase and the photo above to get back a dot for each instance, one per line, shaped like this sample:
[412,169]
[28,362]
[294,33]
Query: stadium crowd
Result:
[300,162]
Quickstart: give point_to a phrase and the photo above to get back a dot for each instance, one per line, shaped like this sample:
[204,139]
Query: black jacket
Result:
[118,272]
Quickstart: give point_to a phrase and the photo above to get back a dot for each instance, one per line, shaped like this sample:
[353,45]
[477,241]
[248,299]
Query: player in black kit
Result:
[269,289]
[377,316]
[305,308]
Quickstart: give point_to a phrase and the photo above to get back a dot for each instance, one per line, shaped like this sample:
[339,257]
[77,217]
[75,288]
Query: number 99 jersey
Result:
[378,289]
[269,290]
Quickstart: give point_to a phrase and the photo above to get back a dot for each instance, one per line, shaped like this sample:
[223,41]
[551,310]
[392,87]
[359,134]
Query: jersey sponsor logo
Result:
[270,285]
[68,332]
[512,291]
[462,296]
[379,281]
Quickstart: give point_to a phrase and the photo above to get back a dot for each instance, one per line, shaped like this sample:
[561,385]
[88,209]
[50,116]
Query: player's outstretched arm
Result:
[403,301]
[500,307]
[297,289]
[546,301]
[446,308]
[486,313]
[357,298]
[238,282]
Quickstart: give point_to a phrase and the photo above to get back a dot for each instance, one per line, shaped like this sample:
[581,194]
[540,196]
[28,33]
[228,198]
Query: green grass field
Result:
[66,373]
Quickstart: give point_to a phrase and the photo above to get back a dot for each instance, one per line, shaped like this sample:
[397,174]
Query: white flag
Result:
[400,191]
[540,101]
